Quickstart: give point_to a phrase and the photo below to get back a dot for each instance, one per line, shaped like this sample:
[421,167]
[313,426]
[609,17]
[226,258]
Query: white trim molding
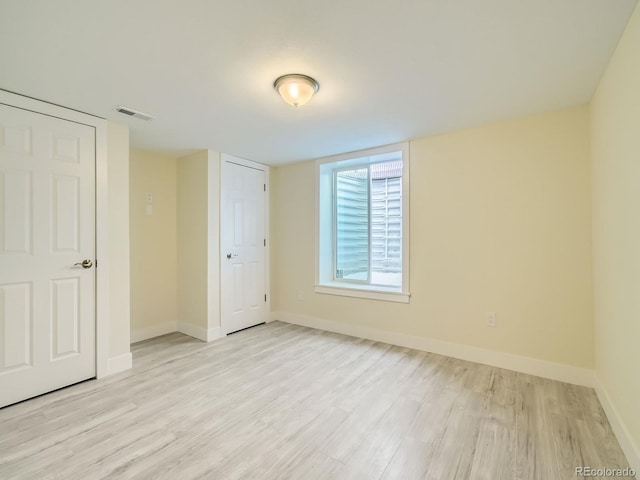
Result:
[103,322]
[140,334]
[370,294]
[206,335]
[120,363]
[628,445]
[531,366]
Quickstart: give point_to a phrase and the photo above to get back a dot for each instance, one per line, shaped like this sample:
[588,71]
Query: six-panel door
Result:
[47,212]
[243,247]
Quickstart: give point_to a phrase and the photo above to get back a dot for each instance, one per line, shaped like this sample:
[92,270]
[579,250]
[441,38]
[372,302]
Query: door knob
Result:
[230,255]
[84,264]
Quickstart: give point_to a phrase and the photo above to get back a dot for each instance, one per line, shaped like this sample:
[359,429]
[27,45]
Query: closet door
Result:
[243,246]
[47,253]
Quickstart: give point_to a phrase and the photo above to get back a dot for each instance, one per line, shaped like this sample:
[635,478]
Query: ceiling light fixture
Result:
[296,89]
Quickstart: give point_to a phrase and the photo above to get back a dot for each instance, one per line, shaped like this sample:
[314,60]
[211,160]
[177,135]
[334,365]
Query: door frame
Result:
[224,158]
[101,212]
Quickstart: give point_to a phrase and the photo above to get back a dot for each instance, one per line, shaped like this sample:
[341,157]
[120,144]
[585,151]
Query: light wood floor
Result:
[280,401]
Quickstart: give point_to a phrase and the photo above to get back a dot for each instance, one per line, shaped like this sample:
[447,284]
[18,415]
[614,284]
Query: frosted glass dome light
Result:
[296,89]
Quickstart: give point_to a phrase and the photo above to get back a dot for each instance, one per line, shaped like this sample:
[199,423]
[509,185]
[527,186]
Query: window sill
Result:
[369,294]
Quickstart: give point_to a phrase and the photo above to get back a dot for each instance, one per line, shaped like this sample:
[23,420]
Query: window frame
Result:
[325,238]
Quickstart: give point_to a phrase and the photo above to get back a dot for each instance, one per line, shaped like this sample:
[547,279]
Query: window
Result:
[363,224]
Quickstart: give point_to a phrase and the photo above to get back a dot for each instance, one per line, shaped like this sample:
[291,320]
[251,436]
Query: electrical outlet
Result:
[300,294]
[491,319]
[149,198]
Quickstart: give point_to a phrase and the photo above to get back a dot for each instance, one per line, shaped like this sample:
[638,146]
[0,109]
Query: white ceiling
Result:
[389,70]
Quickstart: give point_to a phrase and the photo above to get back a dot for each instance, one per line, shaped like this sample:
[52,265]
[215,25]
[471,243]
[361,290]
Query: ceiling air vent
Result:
[134,113]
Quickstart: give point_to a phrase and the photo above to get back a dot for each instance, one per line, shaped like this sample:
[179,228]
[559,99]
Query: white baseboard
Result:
[119,364]
[199,332]
[531,366]
[214,334]
[140,334]
[629,447]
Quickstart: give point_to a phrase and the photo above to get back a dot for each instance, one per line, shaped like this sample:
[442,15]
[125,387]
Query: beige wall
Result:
[192,239]
[153,241]
[199,245]
[213,239]
[118,193]
[500,221]
[615,133]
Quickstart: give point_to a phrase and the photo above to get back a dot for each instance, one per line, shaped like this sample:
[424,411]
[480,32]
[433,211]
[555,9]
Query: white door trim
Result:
[102,240]
[225,157]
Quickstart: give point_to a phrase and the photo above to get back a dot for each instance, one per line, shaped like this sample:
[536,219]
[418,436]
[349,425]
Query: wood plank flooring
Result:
[281,401]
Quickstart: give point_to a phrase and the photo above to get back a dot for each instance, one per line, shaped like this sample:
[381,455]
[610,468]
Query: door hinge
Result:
[265,297]
[265,187]
[265,242]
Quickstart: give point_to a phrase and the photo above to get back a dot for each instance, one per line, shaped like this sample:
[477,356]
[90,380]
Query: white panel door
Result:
[47,198]
[243,293]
